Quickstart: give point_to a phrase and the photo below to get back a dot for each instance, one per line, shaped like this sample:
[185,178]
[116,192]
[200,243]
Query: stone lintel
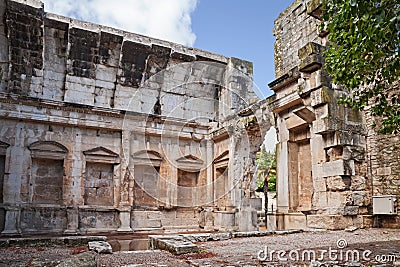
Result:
[295,122]
[311,63]
[343,138]
[285,79]
[285,102]
[314,9]
[321,96]
[102,155]
[305,113]
[309,49]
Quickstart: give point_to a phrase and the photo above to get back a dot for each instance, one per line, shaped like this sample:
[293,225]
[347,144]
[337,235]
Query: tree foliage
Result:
[363,55]
[266,161]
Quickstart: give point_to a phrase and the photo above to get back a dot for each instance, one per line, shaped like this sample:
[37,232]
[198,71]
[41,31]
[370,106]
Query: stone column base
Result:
[291,221]
[125,219]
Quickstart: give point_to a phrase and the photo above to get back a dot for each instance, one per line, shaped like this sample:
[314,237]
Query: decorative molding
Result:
[101,155]
[222,160]
[48,150]
[190,163]
[147,157]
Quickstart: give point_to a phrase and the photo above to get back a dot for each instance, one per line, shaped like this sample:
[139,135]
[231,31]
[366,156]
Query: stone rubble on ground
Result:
[100,247]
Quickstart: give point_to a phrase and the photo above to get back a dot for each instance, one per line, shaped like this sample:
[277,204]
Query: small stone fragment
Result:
[101,247]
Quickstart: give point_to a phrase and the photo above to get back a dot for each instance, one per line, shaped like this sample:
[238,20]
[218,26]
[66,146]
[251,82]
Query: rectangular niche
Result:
[187,186]
[221,185]
[47,180]
[146,185]
[99,187]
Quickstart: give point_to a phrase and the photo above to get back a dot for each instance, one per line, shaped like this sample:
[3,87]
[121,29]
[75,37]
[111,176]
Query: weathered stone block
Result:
[291,221]
[361,198]
[338,183]
[346,138]
[101,247]
[320,201]
[351,210]
[384,171]
[310,49]
[314,8]
[175,244]
[330,222]
[358,183]
[335,168]
[224,220]
[339,199]
[47,220]
[321,96]
[311,63]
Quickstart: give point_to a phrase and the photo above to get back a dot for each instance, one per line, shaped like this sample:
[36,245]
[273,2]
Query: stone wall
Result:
[383,153]
[293,29]
[322,166]
[106,130]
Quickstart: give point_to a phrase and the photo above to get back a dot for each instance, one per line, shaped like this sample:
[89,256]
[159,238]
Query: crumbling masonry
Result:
[330,160]
[105,130]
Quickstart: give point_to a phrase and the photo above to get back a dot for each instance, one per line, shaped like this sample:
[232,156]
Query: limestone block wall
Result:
[293,29]
[384,169]
[55,58]
[106,130]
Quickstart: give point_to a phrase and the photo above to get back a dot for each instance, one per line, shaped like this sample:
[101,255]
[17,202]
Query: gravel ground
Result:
[36,256]
[234,252]
[137,258]
[244,251]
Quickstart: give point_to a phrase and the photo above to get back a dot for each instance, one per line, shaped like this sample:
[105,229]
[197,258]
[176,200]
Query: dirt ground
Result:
[363,247]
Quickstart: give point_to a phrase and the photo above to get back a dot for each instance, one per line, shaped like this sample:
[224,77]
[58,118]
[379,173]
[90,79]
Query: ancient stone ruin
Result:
[104,130]
[331,163]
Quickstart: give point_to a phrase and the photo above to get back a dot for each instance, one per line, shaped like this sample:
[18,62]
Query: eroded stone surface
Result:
[104,130]
[330,161]
[100,247]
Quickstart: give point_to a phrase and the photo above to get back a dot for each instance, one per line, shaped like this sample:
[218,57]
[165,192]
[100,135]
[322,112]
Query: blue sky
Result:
[241,29]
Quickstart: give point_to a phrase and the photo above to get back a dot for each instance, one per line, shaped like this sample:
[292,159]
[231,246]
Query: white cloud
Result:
[270,140]
[164,19]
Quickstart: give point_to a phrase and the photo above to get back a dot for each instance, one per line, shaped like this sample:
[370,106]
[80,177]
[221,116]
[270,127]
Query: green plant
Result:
[266,161]
[363,56]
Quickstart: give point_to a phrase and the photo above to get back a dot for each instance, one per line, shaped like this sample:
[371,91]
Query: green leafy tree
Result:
[363,55]
[266,161]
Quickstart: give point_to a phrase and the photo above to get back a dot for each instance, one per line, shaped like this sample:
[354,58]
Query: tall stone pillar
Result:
[173,194]
[210,170]
[125,186]
[283,178]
